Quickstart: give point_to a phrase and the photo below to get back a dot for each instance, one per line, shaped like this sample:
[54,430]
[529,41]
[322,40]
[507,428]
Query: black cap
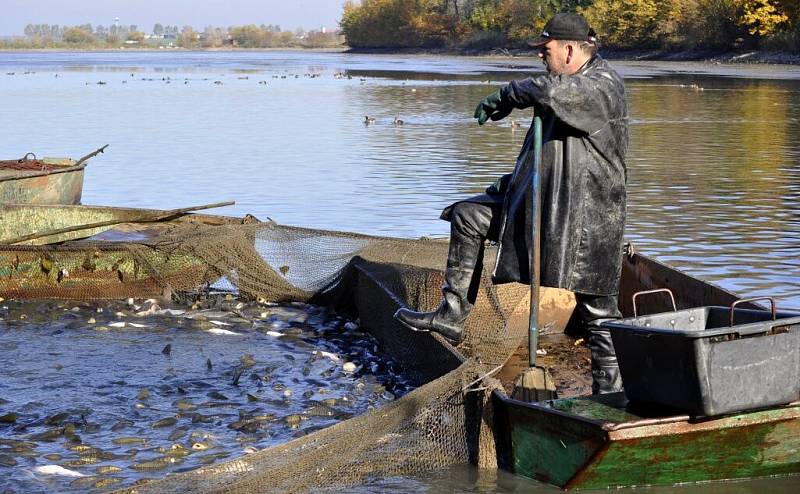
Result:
[565,26]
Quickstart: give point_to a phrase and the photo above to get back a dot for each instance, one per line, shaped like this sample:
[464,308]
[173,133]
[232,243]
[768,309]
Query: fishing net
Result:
[445,421]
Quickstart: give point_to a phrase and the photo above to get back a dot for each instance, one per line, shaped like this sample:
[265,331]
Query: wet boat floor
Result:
[99,395]
[565,357]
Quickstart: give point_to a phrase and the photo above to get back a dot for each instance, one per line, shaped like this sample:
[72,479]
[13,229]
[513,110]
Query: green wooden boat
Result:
[122,224]
[585,442]
[596,443]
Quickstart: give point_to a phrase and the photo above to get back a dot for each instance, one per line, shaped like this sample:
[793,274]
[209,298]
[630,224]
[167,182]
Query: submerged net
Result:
[446,421]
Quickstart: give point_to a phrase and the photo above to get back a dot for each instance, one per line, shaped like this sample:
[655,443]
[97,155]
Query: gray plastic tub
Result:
[694,360]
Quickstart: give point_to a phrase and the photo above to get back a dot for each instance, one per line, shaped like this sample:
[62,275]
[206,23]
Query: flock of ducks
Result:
[397,122]
[220,83]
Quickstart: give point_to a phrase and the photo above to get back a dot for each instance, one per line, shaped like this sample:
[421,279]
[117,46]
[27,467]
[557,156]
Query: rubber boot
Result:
[605,370]
[460,290]
[594,310]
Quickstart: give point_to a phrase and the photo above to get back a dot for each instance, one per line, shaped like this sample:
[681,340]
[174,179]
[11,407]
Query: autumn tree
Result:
[136,37]
[78,36]
[188,38]
[382,23]
[250,36]
[525,19]
[761,17]
[625,23]
[213,37]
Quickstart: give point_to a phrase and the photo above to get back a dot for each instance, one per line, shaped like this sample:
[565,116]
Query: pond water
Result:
[713,170]
[714,181]
[97,395]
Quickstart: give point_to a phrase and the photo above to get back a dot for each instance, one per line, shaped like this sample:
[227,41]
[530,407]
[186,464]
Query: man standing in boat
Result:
[581,101]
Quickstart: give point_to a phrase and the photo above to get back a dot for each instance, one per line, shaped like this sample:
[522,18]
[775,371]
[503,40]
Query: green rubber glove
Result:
[492,107]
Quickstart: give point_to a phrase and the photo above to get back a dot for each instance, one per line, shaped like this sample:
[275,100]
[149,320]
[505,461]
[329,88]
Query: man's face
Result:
[554,55]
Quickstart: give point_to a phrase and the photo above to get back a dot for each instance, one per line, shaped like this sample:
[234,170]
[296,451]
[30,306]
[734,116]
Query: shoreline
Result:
[174,49]
[750,57]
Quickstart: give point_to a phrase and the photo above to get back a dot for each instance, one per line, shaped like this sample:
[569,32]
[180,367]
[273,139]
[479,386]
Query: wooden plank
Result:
[548,447]
[644,273]
[105,271]
[758,444]
[142,216]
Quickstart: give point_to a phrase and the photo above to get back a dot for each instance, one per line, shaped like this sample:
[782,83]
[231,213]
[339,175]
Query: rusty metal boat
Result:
[29,180]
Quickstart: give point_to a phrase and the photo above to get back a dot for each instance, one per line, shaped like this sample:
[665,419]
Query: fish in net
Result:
[446,421]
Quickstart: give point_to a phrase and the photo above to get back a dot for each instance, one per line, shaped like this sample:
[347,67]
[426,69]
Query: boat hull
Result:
[120,265]
[62,183]
[19,220]
[572,451]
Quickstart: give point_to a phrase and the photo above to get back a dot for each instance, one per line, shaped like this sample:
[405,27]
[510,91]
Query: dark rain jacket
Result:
[585,138]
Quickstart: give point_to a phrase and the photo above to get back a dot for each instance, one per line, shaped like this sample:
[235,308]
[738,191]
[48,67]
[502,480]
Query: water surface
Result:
[714,181]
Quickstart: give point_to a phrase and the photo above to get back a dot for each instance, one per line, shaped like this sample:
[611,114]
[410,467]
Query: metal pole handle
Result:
[536,221]
[657,290]
[771,301]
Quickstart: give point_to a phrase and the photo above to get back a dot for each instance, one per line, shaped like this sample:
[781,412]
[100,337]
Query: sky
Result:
[289,14]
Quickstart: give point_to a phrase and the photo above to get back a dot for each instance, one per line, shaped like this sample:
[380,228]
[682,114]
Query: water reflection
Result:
[714,181]
[713,168]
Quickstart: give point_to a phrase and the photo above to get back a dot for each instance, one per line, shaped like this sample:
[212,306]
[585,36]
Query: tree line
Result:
[86,36]
[621,24]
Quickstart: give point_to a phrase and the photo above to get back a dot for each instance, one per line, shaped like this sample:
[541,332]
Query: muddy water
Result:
[102,395]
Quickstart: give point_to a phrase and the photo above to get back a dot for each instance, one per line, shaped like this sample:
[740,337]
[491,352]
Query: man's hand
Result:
[492,107]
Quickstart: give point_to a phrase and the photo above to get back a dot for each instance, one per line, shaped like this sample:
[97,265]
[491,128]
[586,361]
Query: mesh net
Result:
[443,422]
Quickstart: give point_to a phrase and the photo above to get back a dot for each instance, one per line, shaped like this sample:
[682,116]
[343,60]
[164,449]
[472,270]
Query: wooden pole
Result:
[148,217]
[90,155]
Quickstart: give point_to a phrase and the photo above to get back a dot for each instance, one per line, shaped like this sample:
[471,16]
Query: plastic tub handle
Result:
[658,290]
[771,301]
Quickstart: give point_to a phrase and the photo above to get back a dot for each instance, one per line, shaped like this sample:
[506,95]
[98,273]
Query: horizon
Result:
[303,14]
